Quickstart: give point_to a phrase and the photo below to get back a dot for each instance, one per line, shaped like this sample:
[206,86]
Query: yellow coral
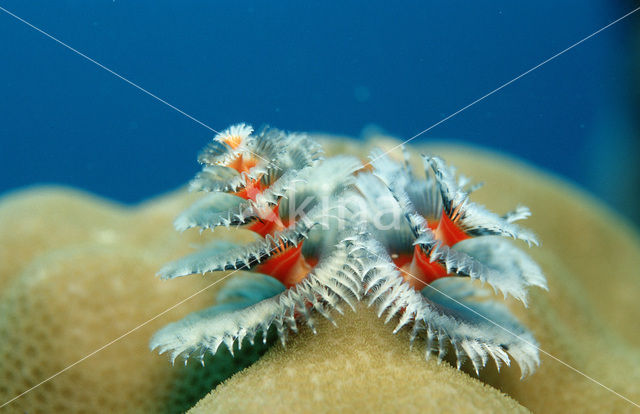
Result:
[77,272]
[85,280]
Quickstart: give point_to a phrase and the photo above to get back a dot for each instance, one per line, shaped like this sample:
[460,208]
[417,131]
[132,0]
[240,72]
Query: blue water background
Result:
[311,66]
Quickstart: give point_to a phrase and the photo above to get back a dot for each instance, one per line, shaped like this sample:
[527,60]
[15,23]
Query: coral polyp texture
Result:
[333,232]
[76,273]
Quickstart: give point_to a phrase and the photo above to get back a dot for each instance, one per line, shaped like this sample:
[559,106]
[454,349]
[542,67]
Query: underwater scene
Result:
[213,207]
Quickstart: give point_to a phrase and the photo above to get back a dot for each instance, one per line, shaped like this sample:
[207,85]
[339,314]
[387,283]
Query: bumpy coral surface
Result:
[375,233]
[77,273]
